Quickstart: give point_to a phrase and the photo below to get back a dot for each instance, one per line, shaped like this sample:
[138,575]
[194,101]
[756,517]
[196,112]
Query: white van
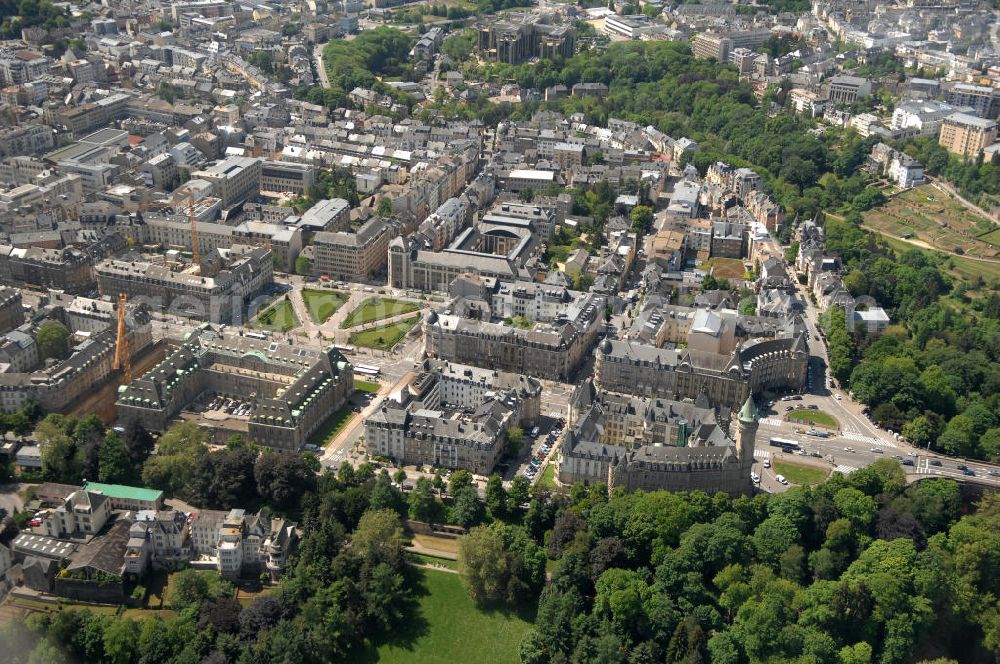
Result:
[781,479]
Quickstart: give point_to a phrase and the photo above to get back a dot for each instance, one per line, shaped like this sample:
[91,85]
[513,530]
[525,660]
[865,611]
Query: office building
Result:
[967,135]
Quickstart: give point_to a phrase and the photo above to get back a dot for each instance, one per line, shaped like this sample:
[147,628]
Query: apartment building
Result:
[967,135]
[26,139]
[353,256]
[707,45]
[985,101]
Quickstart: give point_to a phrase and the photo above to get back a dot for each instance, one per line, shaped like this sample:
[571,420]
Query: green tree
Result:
[188,587]
[514,440]
[467,509]
[642,219]
[379,539]
[115,467]
[423,504]
[52,338]
[519,493]
[384,207]
[459,480]
[303,266]
[496,496]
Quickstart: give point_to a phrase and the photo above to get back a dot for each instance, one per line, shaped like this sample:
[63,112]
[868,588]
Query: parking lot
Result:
[541,440]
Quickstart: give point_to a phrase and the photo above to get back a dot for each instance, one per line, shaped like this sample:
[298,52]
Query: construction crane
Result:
[123,356]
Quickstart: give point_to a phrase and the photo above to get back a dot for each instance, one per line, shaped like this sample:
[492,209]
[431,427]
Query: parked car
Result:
[767,463]
[781,479]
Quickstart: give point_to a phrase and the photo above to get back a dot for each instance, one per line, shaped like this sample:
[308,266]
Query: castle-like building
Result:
[652,444]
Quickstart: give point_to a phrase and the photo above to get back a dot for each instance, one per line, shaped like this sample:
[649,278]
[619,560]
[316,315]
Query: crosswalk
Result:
[846,470]
[771,421]
[761,454]
[869,440]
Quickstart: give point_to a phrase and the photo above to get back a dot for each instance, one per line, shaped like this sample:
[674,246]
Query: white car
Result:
[912,454]
[837,397]
[755,478]
[848,449]
[767,463]
[781,479]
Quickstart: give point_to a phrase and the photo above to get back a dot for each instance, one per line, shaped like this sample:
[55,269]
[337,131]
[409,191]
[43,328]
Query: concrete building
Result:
[707,45]
[353,256]
[237,544]
[286,177]
[523,36]
[453,416]
[871,321]
[985,101]
[292,390]
[234,180]
[967,135]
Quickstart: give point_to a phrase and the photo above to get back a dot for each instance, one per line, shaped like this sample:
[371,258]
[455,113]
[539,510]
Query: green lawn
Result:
[279,317]
[548,478]
[816,417]
[321,304]
[797,474]
[333,424]
[448,627]
[384,337]
[365,386]
[377,308]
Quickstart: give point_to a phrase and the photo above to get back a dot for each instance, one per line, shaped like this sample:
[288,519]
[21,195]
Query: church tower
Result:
[746,431]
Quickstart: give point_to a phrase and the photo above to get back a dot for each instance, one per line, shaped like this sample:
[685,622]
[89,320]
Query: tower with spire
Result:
[747,422]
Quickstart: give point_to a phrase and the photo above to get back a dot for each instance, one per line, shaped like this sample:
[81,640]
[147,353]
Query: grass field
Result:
[448,627]
[366,386]
[279,317]
[724,268]
[548,479]
[929,216]
[321,304]
[384,337]
[797,474]
[817,417]
[447,545]
[377,308]
[333,424]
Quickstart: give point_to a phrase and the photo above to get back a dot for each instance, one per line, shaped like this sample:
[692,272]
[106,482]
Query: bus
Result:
[344,349]
[367,370]
[785,444]
[255,335]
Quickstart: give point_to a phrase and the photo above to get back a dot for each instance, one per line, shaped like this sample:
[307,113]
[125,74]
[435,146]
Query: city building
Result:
[967,135]
[453,416]
[286,177]
[849,89]
[235,179]
[217,299]
[558,330]
[353,256]
[291,389]
[726,379]
[656,444]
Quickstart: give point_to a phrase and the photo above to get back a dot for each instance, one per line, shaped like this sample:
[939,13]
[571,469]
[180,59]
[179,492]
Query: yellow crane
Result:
[123,355]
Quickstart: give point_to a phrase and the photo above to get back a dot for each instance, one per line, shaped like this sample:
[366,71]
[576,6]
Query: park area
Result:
[279,317]
[378,308]
[449,627]
[799,474]
[816,417]
[929,218]
[384,337]
[321,304]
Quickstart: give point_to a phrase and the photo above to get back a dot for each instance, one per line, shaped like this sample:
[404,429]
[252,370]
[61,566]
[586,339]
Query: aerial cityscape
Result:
[500,331]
